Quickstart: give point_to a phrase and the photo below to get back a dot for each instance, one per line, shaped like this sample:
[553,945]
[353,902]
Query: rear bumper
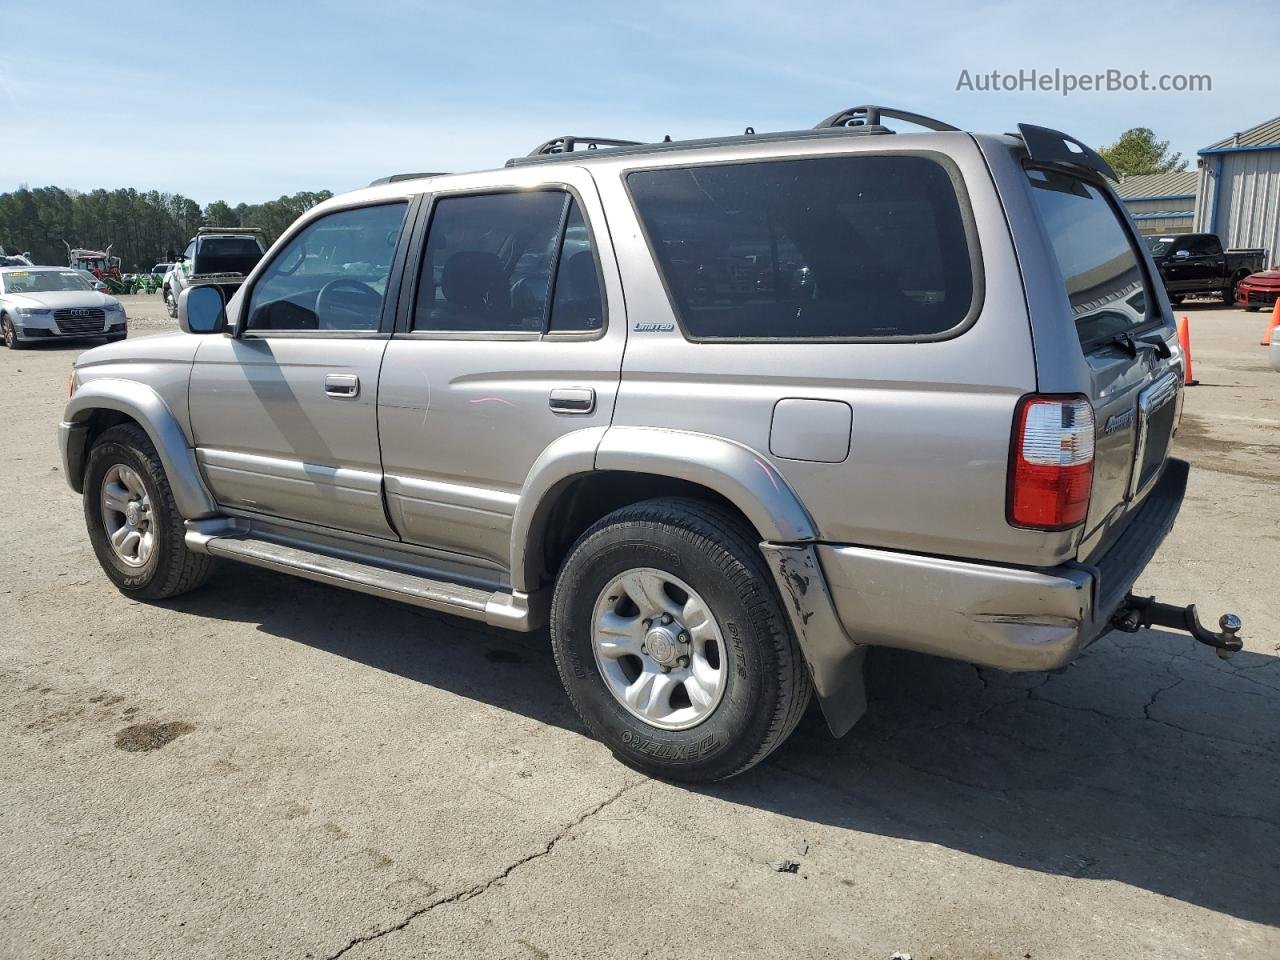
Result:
[843,599]
[1005,617]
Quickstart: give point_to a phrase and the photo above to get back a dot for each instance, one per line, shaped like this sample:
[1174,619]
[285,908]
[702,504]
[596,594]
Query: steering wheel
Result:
[346,304]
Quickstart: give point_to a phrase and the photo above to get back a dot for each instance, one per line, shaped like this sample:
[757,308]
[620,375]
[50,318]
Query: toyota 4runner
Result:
[724,413]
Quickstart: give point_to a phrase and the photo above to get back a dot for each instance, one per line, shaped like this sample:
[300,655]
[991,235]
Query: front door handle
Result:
[343,386]
[578,400]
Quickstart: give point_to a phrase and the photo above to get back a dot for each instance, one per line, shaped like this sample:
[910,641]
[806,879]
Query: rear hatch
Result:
[215,255]
[1136,382]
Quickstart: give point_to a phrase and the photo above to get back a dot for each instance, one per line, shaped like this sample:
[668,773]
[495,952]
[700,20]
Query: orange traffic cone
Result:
[1184,341]
[1271,327]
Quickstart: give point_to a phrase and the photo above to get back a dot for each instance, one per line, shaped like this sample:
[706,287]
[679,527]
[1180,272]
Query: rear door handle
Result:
[578,400]
[344,386]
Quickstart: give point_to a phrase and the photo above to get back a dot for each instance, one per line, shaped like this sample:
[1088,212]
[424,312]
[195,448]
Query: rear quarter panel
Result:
[929,444]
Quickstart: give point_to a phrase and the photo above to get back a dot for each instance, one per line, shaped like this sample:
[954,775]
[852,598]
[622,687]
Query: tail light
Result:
[1051,465]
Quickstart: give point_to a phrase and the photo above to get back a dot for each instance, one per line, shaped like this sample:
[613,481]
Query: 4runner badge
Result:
[654,327]
[1117,422]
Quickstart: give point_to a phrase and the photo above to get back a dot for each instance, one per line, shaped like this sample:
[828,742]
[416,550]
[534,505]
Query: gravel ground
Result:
[270,767]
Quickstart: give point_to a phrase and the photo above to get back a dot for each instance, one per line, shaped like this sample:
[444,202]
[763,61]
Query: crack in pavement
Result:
[474,891]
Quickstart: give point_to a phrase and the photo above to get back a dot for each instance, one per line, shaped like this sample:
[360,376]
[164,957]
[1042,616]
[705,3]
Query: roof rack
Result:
[568,144]
[201,230]
[868,115]
[1055,148]
[397,177]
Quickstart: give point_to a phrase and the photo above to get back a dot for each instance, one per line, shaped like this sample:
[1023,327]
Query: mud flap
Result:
[835,662]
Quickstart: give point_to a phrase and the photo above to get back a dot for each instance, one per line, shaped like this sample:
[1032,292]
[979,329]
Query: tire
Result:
[1176,298]
[764,683]
[1252,308]
[170,303]
[1229,294]
[9,335]
[169,568]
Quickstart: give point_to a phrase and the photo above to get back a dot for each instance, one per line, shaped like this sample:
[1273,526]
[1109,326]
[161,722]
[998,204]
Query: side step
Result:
[513,611]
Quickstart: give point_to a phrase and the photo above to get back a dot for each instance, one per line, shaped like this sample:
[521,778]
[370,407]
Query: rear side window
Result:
[828,248]
[1104,281]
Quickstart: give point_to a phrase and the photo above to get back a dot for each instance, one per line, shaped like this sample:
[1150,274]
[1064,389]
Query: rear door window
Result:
[1104,280]
[838,248]
[509,263]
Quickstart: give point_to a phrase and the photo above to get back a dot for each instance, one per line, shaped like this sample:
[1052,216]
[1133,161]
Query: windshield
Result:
[44,281]
[1105,283]
[1159,246]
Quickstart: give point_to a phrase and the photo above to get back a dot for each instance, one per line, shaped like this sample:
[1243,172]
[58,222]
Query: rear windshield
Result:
[865,247]
[228,254]
[1104,281]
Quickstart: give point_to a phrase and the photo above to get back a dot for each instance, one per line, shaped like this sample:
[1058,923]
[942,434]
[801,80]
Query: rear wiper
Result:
[1126,342]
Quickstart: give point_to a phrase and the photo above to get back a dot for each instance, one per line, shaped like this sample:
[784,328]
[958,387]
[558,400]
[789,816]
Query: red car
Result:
[1259,289]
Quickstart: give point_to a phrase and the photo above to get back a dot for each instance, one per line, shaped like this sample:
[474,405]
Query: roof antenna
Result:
[749,131]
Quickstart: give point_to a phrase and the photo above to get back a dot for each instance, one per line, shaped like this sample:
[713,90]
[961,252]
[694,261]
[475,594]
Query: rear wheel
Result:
[134,525]
[170,304]
[1229,294]
[672,644]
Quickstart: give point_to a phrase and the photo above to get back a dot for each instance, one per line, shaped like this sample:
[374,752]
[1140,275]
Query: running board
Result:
[513,611]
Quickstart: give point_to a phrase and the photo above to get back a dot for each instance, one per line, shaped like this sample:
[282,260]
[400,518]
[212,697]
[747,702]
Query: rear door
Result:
[512,338]
[1121,328]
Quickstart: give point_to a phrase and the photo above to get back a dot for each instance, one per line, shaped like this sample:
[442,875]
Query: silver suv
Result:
[725,413]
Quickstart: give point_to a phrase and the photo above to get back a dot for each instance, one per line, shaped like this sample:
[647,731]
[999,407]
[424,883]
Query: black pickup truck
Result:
[1195,263]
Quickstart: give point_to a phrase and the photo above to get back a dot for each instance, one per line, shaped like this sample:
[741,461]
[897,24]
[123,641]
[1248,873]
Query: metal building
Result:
[1239,195]
[1161,202]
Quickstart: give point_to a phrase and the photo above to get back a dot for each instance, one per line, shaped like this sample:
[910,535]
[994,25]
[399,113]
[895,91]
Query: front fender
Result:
[141,403]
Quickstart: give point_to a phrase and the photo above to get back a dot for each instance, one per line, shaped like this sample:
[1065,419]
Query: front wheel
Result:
[10,335]
[134,525]
[672,643]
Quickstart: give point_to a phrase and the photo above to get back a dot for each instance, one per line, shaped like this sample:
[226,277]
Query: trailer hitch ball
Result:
[1137,613]
[1230,625]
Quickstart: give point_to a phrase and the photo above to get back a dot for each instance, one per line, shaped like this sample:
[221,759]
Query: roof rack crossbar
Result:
[1056,148]
[567,144]
[869,114]
[202,230]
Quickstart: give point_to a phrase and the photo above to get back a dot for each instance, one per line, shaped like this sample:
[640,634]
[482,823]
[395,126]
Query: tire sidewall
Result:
[732,733]
[102,457]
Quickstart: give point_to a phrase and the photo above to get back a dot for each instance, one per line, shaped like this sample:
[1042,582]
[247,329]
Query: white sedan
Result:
[50,303]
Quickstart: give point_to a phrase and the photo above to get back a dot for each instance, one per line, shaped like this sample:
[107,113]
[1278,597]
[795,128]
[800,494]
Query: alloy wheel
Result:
[659,649]
[127,515]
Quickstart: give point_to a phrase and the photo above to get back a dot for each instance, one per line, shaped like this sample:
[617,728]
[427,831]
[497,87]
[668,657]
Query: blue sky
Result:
[245,101]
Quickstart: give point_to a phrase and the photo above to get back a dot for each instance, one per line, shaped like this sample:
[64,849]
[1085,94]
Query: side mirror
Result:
[202,310]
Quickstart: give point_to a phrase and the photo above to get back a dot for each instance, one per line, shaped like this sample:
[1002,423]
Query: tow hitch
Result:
[1139,612]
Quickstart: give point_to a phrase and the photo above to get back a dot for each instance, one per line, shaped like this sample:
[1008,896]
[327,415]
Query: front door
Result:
[513,339]
[285,412]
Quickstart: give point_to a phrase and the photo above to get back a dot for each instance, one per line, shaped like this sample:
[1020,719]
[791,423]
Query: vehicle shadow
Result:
[1148,761]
